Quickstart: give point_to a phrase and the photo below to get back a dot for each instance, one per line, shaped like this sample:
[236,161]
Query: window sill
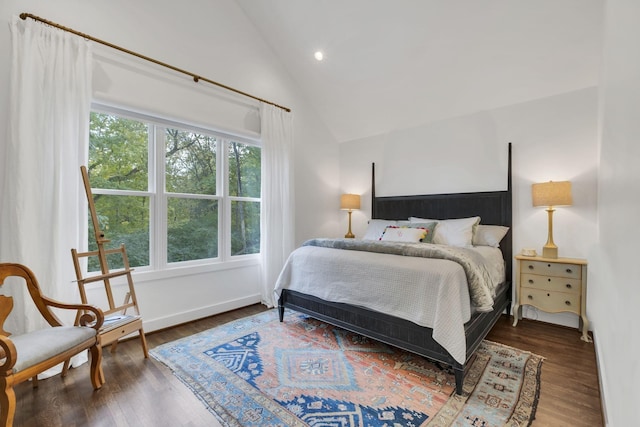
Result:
[188,270]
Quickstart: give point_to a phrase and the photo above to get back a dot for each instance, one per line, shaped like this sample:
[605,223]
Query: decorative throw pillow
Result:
[403,234]
[376,227]
[430,227]
[453,232]
[489,235]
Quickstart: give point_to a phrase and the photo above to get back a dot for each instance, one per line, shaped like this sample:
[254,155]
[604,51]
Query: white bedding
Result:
[428,292]
[494,262]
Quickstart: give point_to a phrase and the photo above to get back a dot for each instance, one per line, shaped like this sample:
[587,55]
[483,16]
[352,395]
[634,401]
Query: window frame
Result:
[159,197]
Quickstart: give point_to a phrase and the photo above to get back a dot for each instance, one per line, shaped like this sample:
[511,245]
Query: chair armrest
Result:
[10,355]
[91,313]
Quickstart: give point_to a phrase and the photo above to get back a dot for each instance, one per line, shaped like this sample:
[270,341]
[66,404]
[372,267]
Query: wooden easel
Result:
[117,322]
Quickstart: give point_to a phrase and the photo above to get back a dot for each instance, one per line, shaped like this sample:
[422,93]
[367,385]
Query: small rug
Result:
[257,371]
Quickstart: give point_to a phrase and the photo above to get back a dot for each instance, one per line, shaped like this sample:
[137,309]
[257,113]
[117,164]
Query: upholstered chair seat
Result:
[35,347]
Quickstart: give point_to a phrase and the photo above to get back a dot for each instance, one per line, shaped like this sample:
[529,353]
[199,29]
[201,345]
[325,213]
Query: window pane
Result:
[118,153]
[190,162]
[244,170]
[192,229]
[123,219]
[245,228]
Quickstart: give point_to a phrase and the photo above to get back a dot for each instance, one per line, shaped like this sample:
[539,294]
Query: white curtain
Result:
[277,211]
[43,202]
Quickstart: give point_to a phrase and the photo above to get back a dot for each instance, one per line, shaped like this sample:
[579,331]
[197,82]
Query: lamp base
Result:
[349,234]
[550,252]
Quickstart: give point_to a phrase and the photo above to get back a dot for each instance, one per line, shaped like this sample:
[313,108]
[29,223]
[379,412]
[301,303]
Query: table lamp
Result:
[349,202]
[551,194]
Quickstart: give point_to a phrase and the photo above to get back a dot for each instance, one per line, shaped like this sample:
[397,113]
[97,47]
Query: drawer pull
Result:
[531,281]
[530,297]
[569,271]
[568,285]
[530,267]
[548,280]
[568,302]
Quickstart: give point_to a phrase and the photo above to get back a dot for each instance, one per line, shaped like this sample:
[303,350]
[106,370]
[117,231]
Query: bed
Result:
[493,207]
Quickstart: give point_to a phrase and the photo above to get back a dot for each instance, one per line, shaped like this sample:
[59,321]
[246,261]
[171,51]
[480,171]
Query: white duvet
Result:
[428,292]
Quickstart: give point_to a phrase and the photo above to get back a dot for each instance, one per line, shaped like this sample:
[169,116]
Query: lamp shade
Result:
[552,193]
[350,201]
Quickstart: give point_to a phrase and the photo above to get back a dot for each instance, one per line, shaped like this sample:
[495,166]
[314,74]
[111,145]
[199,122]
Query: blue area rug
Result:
[257,371]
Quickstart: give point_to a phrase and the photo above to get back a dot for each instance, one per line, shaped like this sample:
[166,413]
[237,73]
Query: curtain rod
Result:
[196,78]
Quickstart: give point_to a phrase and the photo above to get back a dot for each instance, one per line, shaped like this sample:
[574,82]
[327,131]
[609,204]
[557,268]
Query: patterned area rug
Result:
[260,372]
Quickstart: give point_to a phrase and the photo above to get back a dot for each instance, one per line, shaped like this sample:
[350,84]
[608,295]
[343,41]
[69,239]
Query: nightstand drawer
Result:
[571,271]
[558,284]
[551,301]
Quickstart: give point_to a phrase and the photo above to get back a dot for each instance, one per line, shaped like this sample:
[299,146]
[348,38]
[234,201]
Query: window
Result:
[173,193]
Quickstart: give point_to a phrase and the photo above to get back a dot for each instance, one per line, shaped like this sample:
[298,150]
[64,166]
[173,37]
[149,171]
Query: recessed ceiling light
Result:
[319,55]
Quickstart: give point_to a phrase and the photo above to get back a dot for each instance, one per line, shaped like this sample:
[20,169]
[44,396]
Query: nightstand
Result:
[552,285]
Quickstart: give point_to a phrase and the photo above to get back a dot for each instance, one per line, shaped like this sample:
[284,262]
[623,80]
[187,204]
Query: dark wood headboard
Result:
[493,207]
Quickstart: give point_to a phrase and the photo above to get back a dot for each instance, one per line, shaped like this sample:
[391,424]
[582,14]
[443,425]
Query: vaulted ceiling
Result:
[395,64]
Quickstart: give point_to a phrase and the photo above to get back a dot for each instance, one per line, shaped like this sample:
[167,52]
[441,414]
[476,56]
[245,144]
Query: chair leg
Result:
[102,380]
[7,402]
[65,368]
[97,376]
[143,341]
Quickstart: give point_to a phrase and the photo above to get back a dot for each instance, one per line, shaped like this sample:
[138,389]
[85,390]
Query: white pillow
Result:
[376,228]
[452,232]
[489,235]
[403,234]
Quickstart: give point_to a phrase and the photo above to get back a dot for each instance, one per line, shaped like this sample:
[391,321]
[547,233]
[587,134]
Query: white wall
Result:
[553,138]
[212,38]
[618,293]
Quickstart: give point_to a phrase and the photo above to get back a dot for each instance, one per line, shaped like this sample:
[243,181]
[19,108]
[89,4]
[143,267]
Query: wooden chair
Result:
[25,356]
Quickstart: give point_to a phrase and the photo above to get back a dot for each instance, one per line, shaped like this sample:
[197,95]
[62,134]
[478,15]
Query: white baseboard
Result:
[174,319]
[603,394]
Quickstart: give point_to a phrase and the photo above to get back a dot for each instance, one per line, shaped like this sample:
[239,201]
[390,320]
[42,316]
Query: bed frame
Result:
[494,207]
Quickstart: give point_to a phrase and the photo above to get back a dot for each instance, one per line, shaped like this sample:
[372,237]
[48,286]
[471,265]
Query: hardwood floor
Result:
[143,392]
[569,391]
